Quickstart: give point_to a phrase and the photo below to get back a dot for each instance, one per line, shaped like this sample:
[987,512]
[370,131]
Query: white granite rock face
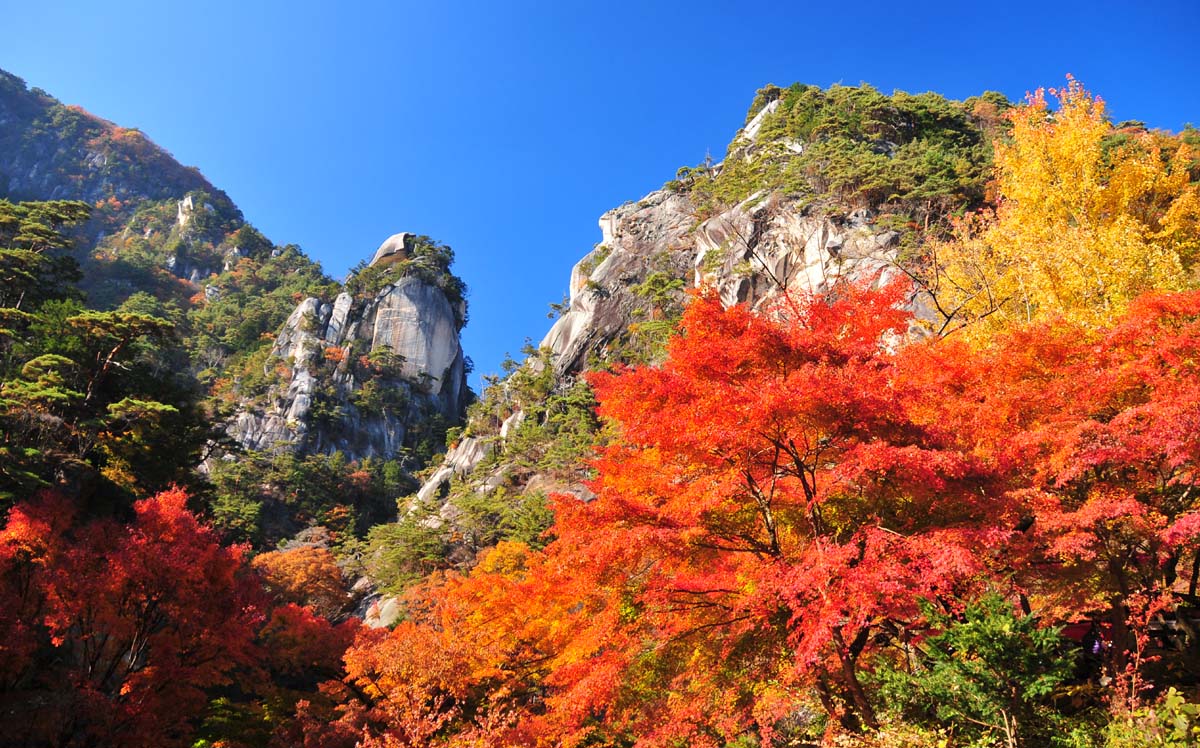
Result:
[760,247]
[750,131]
[411,318]
[394,248]
[183,211]
[418,323]
[460,461]
[637,238]
[338,317]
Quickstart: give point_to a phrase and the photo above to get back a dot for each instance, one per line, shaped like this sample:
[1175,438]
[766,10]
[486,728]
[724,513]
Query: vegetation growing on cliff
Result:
[427,260]
[1086,218]
[921,155]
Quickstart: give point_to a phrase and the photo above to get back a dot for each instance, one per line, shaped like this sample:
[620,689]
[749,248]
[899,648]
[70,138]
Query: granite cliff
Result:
[359,373]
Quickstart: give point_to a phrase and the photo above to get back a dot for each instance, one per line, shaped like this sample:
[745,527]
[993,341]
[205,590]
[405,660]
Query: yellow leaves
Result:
[507,559]
[1180,230]
[1085,220]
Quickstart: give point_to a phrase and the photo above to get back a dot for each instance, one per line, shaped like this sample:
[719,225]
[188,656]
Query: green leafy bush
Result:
[858,146]
[988,673]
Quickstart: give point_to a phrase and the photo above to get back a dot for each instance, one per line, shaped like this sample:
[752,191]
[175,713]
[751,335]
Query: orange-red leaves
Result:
[142,618]
[305,575]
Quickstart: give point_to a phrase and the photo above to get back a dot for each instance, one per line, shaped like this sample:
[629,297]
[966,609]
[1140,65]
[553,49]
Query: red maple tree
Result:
[118,630]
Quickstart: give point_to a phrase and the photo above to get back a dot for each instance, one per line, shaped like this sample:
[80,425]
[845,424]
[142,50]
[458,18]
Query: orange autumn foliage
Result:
[768,508]
[306,575]
[778,495]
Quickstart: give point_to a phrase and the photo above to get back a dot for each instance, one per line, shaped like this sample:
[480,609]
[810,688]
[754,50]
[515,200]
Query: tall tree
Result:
[118,629]
[1098,431]
[87,398]
[1086,218]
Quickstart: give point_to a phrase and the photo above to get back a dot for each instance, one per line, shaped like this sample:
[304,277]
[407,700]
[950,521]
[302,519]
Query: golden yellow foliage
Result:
[1086,219]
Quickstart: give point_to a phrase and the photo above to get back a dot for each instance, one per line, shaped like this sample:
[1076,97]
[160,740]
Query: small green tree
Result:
[988,674]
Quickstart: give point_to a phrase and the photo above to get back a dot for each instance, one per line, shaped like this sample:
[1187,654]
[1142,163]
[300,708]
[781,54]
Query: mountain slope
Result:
[819,186]
[291,366]
[52,151]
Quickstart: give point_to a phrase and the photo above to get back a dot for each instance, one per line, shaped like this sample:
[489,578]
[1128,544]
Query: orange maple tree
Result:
[305,575]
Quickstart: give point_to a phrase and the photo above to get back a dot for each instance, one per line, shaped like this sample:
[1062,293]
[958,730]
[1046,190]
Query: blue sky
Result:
[506,129]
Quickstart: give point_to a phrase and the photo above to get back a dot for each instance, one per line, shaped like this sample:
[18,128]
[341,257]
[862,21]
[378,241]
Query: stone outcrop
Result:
[749,252]
[395,248]
[652,235]
[323,349]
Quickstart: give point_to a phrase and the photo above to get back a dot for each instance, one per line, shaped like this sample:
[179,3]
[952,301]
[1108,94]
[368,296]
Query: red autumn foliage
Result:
[781,491]
[1098,433]
[769,507]
[114,632]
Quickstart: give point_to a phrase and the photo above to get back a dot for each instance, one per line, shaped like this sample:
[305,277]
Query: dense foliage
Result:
[1085,219]
[753,578]
[87,398]
[128,633]
[807,530]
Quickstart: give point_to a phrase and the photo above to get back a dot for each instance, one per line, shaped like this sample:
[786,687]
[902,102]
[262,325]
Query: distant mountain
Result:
[294,366]
[54,151]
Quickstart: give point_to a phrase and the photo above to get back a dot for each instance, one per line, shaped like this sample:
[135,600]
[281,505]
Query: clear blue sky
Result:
[506,128]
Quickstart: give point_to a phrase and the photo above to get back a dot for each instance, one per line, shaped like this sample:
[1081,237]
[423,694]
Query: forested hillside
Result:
[884,430]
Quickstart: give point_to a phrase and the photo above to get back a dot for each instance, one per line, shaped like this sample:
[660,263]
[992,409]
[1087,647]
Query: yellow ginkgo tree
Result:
[1086,218]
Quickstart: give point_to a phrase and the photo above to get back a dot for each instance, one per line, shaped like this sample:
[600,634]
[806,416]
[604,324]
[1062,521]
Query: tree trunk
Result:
[858,696]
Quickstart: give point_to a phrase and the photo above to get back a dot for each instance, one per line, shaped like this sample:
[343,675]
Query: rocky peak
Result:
[650,253]
[395,248]
[749,252]
[362,375]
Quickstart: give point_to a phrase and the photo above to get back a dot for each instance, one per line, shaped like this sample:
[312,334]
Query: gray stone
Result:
[337,318]
[413,319]
[383,612]
[183,211]
[511,424]
[417,322]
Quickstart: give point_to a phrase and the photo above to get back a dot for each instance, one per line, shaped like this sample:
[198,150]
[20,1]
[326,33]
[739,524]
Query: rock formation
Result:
[749,252]
[402,342]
